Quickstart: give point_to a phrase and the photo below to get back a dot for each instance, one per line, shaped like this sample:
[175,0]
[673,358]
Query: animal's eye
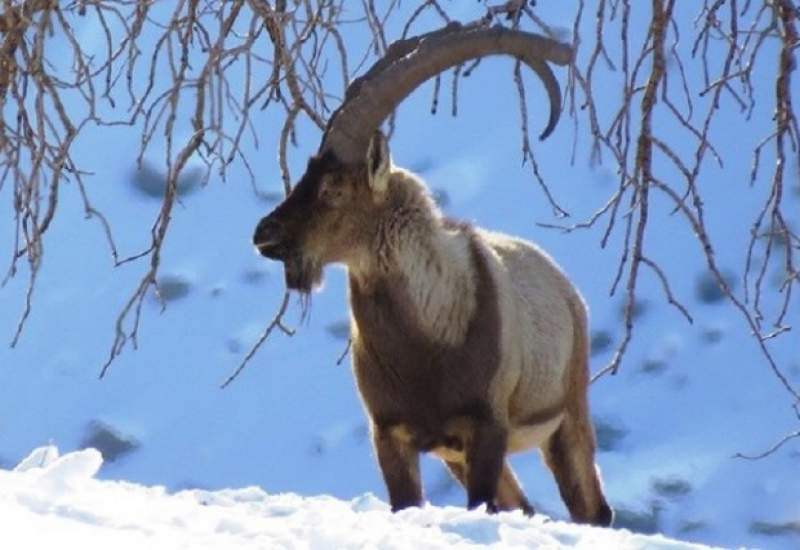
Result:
[331,190]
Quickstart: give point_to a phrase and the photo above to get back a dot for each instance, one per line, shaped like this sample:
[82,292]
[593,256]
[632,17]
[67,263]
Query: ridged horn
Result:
[408,63]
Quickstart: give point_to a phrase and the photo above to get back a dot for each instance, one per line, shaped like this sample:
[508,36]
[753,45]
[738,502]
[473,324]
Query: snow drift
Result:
[49,500]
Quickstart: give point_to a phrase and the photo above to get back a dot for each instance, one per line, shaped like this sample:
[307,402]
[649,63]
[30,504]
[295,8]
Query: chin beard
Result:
[302,275]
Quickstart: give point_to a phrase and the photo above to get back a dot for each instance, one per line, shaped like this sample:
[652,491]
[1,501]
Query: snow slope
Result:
[688,397]
[50,499]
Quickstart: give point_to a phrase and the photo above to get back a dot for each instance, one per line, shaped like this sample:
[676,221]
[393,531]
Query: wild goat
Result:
[465,343]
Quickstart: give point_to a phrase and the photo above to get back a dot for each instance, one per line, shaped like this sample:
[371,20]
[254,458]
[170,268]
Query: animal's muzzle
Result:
[270,239]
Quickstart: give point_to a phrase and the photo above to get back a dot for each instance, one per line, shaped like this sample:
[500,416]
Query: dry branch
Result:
[227,61]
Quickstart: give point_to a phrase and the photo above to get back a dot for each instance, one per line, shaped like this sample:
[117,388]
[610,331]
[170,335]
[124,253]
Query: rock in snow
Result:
[54,502]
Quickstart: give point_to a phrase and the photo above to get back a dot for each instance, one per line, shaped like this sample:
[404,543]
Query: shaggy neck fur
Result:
[412,240]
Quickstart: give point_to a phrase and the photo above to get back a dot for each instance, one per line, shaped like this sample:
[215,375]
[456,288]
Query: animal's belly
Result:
[528,437]
[520,439]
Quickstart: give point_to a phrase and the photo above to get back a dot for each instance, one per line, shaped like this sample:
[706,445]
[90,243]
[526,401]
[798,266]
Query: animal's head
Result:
[323,219]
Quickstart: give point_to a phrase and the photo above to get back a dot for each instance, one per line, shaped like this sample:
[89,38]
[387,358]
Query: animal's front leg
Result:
[399,462]
[485,458]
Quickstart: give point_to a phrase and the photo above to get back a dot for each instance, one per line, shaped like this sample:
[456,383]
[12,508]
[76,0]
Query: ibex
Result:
[465,343]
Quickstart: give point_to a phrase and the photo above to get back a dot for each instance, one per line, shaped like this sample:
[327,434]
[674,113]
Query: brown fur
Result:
[404,376]
[466,344]
[408,379]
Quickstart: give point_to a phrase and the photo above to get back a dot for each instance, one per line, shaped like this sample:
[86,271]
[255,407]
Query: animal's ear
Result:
[378,162]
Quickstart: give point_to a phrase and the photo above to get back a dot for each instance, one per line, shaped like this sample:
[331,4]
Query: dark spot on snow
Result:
[217,291]
[653,366]
[317,448]
[672,487]
[711,335]
[609,433]
[358,433]
[151,181]
[173,287]
[441,197]
[111,443]
[646,523]
[691,526]
[775,529]
[339,329]
[234,345]
[639,308]
[601,341]
[254,276]
[707,288]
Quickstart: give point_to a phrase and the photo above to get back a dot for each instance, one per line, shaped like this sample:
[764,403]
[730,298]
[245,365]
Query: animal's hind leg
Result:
[569,453]
[509,493]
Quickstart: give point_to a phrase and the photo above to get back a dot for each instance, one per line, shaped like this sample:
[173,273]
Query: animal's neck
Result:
[427,263]
[440,283]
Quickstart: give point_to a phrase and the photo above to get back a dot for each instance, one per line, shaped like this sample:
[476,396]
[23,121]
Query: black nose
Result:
[269,237]
[267,230]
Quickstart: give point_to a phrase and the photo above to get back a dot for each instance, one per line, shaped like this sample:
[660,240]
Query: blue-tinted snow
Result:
[292,422]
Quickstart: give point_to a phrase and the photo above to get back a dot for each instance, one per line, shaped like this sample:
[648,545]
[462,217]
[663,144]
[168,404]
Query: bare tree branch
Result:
[645,103]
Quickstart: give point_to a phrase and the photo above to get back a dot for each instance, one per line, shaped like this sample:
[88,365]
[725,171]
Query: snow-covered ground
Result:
[50,500]
[688,397]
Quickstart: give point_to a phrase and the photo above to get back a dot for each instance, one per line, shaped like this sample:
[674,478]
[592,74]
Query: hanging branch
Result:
[296,57]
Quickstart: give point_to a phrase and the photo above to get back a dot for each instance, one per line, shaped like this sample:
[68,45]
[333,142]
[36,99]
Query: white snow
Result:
[48,501]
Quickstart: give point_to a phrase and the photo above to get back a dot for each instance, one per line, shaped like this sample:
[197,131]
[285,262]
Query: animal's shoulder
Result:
[519,255]
[527,266]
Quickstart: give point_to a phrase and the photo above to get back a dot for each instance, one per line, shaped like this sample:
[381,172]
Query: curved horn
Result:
[408,63]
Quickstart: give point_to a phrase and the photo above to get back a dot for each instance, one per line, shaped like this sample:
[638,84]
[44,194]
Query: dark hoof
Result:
[528,510]
[605,517]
